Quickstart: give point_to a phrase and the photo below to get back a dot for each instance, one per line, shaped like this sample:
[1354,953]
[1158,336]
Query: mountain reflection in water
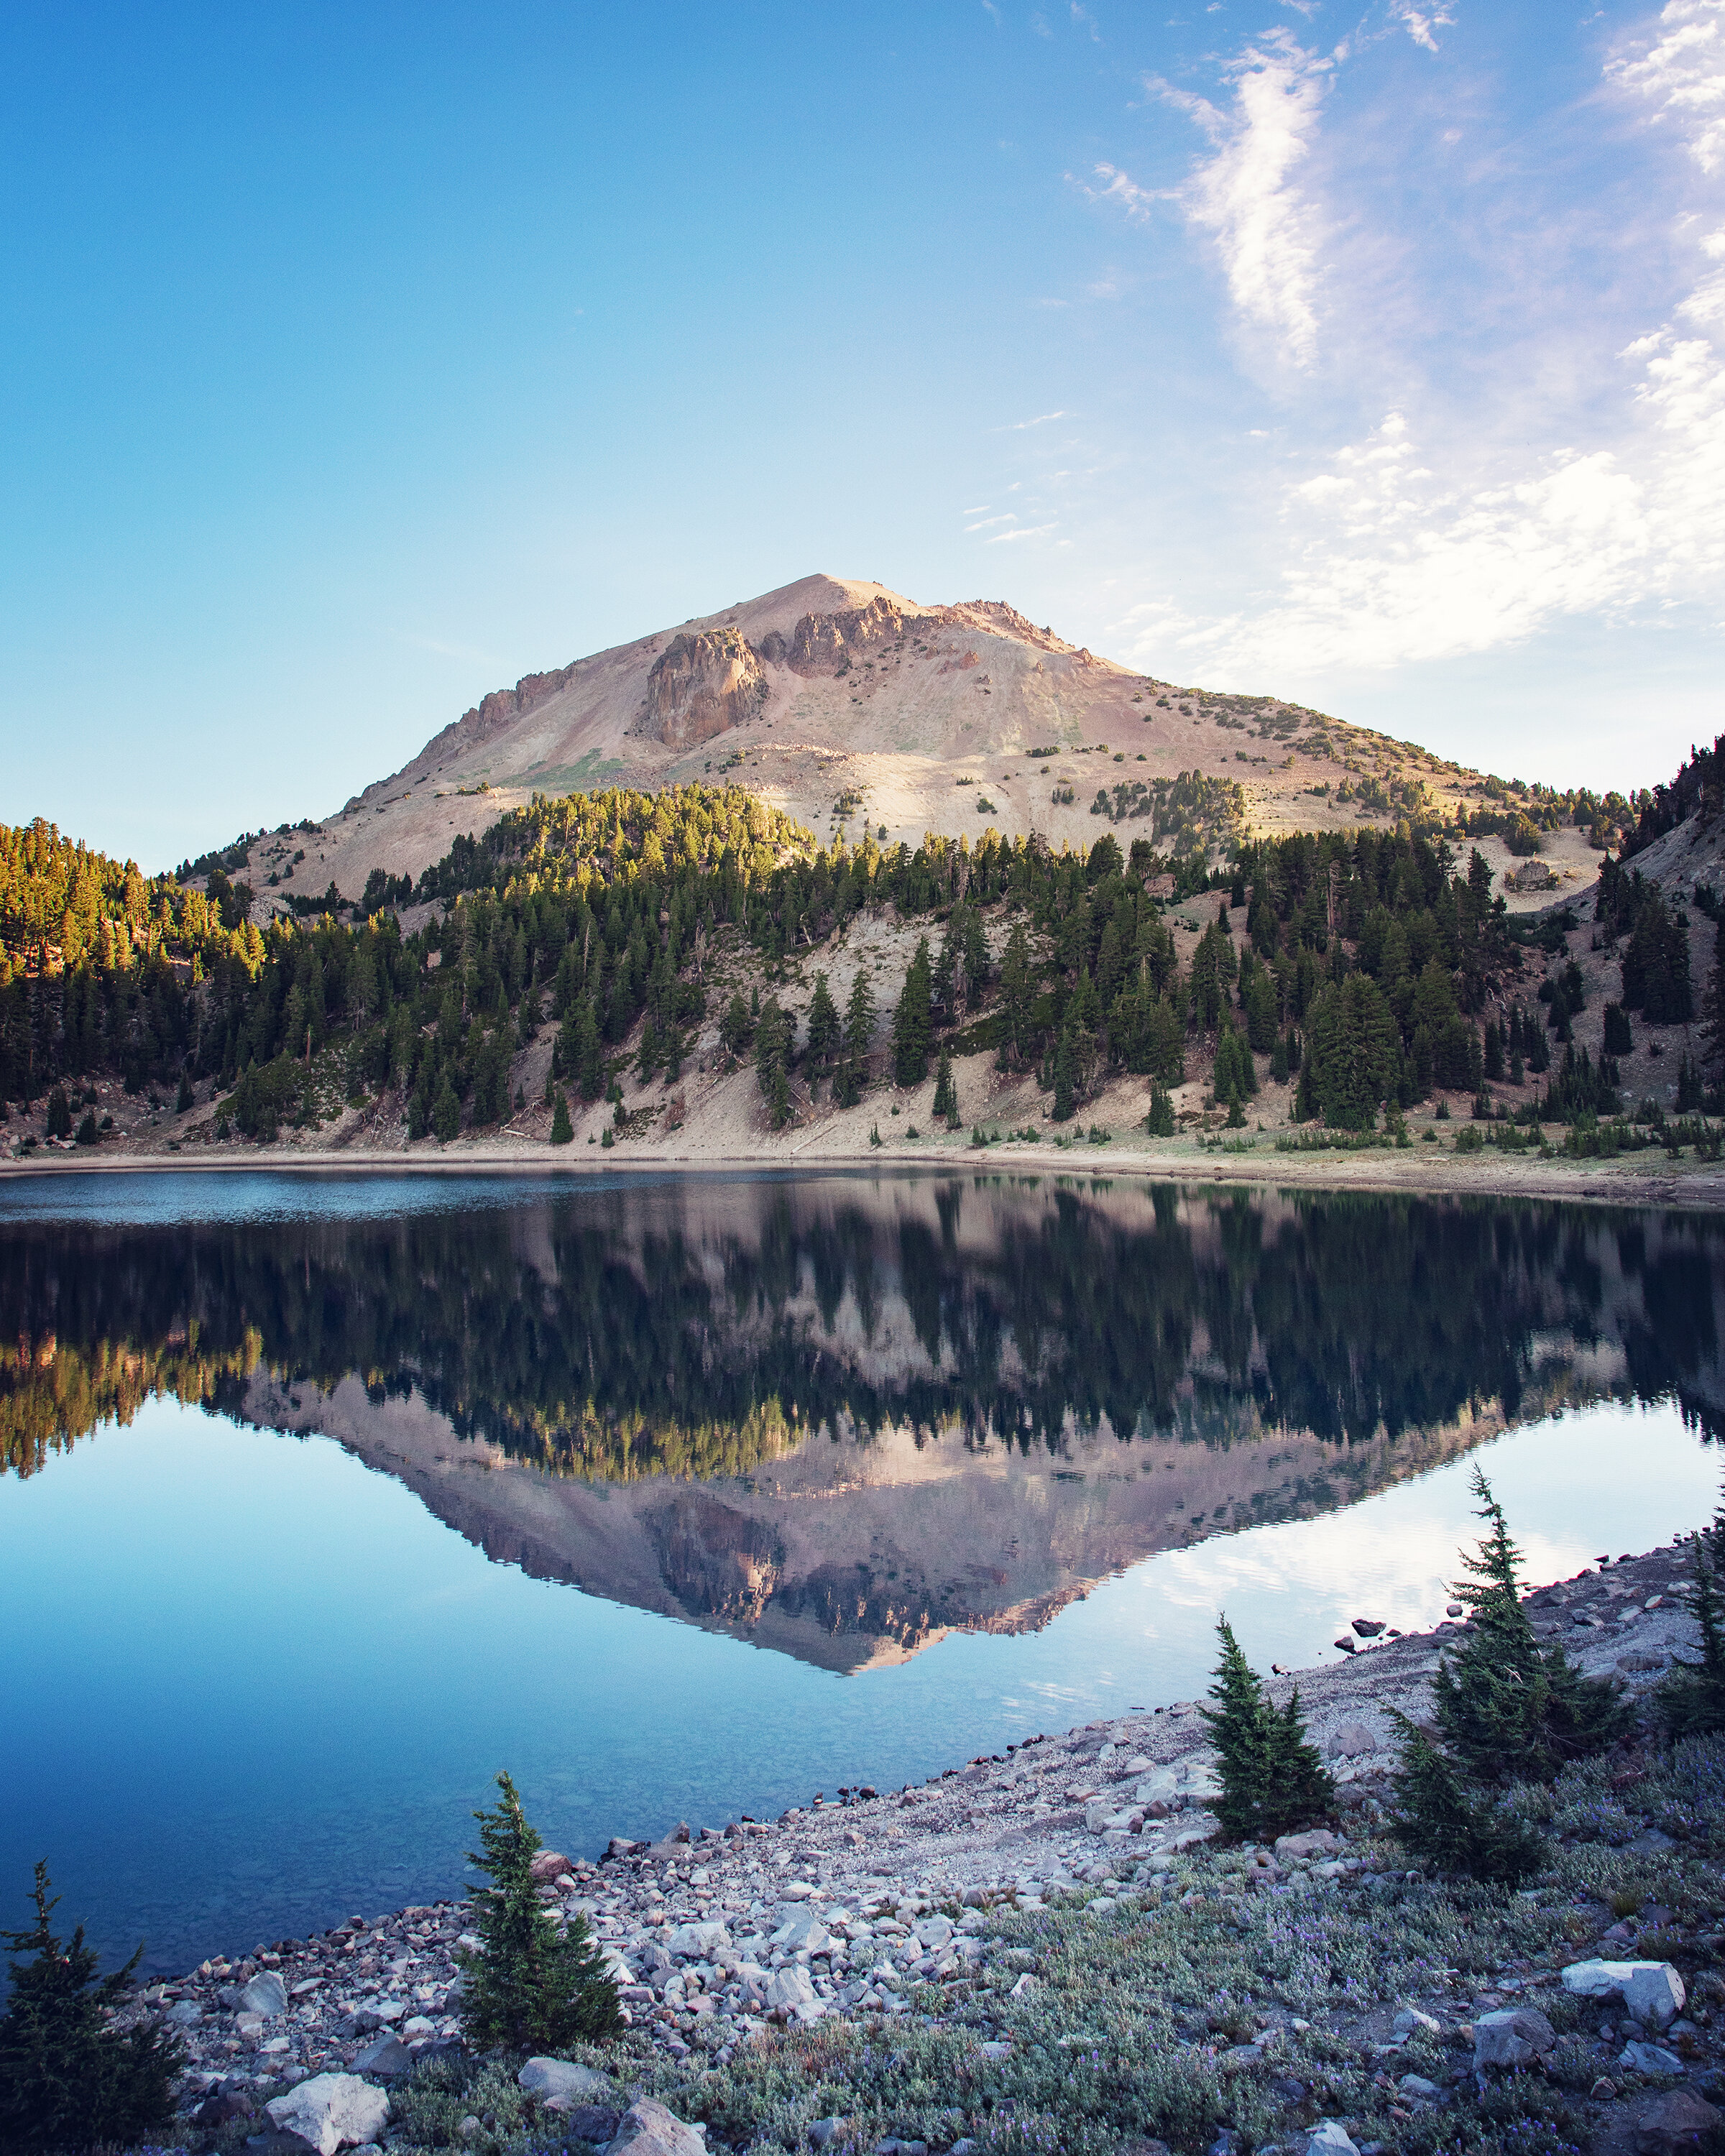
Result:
[840,1416]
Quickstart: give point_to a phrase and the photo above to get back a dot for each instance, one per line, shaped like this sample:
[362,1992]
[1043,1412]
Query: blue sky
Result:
[358,360]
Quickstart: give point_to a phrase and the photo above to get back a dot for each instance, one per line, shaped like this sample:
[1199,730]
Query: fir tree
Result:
[1440,1818]
[1507,1708]
[67,2080]
[824,1028]
[1272,1778]
[1693,1700]
[859,1032]
[532,1988]
[445,1110]
[1065,1079]
[946,1092]
[589,1053]
[60,1114]
[736,1026]
[912,1022]
[563,1131]
[1160,1120]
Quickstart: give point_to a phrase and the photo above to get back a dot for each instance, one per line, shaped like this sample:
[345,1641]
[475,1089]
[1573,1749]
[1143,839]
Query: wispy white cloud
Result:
[1679,66]
[1084,20]
[1245,192]
[990,8]
[988,522]
[1025,531]
[1422,24]
[1022,426]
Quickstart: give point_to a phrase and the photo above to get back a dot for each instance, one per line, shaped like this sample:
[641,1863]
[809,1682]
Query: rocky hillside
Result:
[846,704]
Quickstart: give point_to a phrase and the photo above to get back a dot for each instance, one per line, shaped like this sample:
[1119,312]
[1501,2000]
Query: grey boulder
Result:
[386,2056]
[1330,2137]
[266,1995]
[1650,2059]
[648,2129]
[561,2081]
[1513,2036]
[1652,1990]
[1676,2125]
[330,2111]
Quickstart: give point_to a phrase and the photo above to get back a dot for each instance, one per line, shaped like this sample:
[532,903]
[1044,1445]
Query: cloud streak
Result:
[1245,193]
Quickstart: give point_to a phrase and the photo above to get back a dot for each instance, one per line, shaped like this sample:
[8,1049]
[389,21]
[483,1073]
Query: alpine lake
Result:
[325,1496]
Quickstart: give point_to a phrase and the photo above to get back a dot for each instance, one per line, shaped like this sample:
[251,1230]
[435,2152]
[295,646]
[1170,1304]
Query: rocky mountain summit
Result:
[846,704]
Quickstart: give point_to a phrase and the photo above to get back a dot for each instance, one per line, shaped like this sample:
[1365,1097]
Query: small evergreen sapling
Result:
[532,1987]
[1272,1778]
[563,1129]
[67,2080]
[1693,1700]
[1506,1709]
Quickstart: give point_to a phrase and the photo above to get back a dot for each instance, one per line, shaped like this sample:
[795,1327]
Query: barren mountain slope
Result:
[840,700]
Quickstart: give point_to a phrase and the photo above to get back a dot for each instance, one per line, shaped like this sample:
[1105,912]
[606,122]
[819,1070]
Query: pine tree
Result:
[824,1028]
[589,1053]
[563,1131]
[531,1988]
[1693,1700]
[1272,1778]
[60,1114]
[1065,1081]
[946,1092]
[1017,997]
[1453,1826]
[67,2080]
[912,1022]
[859,1032]
[736,1025]
[1508,1709]
[445,1110]
[1160,1120]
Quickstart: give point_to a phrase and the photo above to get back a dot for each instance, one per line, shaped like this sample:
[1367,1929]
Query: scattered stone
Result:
[548,1865]
[697,1941]
[1330,2137]
[825,2130]
[1416,2088]
[1369,1628]
[1512,2036]
[1348,1646]
[790,1988]
[1410,2018]
[385,2056]
[1315,1842]
[1678,2124]
[1352,1741]
[1650,2059]
[559,2080]
[1603,2090]
[330,2111]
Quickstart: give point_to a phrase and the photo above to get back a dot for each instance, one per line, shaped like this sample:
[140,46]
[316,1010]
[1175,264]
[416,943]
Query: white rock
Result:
[1330,2137]
[1419,2088]
[1316,1841]
[934,1932]
[546,2078]
[330,2111]
[1410,2018]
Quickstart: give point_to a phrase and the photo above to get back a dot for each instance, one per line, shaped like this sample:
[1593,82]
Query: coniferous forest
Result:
[1373,968]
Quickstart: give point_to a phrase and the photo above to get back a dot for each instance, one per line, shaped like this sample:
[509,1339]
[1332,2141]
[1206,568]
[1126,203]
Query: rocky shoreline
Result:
[866,1903]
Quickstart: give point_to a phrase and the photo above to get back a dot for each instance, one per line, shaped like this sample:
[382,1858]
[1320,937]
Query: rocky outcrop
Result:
[492,713]
[828,642]
[701,685]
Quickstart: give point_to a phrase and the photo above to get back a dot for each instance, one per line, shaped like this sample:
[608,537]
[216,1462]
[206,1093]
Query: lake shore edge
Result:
[873,1903]
[1690,1184]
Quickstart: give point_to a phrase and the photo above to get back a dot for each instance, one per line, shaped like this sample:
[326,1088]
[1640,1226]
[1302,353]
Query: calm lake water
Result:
[321,1500]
